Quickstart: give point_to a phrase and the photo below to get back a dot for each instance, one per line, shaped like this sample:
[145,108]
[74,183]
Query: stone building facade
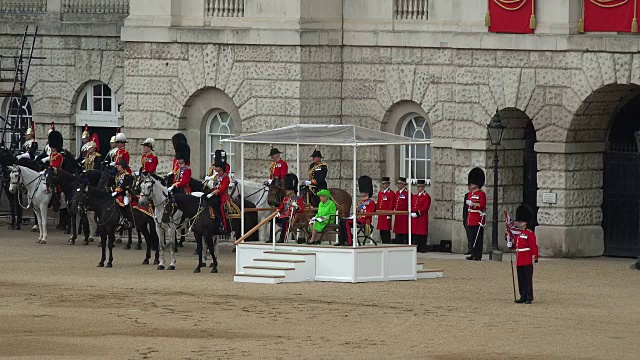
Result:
[193,65]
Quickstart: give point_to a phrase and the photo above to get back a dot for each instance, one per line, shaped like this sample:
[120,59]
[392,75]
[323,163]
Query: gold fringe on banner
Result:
[634,23]
[581,21]
[532,21]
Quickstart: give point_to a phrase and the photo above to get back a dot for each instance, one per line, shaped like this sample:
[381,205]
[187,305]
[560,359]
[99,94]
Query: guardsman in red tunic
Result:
[121,153]
[175,140]
[476,206]
[183,178]
[55,162]
[420,204]
[526,249]
[278,167]
[401,222]
[386,202]
[148,161]
[366,205]
[290,207]
[219,194]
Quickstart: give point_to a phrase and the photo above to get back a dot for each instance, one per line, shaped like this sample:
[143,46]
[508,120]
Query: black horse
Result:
[7,159]
[68,184]
[107,214]
[196,186]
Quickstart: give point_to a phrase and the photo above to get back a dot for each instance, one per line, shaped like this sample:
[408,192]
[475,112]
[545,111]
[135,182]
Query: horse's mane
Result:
[159,178]
[99,194]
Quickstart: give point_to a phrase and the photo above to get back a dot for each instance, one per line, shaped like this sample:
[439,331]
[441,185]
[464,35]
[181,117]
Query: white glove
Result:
[137,173]
[45,159]
[113,194]
[209,196]
[414,215]
[269,181]
[307,182]
[113,163]
[388,217]
[82,162]
[23,156]
[295,205]
[469,202]
[509,244]
[320,219]
[170,189]
[126,200]
[169,173]
[208,178]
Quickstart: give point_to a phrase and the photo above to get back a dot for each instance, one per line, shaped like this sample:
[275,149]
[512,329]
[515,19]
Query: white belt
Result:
[477,211]
[525,249]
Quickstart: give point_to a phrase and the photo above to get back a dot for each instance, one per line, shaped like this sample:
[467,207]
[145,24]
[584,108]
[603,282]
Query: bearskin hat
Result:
[220,159]
[183,151]
[178,138]
[365,185]
[476,177]
[524,213]
[56,140]
[291,182]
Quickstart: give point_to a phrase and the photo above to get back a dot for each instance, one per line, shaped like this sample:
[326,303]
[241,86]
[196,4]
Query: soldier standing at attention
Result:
[420,204]
[401,223]
[526,254]
[477,205]
[386,202]
[317,175]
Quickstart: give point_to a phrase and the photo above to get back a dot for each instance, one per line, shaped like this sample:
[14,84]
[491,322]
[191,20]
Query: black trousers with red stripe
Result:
[345,236]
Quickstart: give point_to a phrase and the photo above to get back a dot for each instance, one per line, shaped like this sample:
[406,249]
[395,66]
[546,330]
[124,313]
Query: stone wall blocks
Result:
[587,216]
[151,102]
[497,87]
[444,156]
[466,93]
[536,103]
[399,80]
[435,56]
[552,133]
[330,71]
[589,135]
[169,51]
[561,117]
[623,68]
[285,54]
[607,65]
[320,54]
[443,129]
[253,53]
[584,180]
[401,55]
[247,110]
[443,173]
[472,76]
[62,57]
[551,216]
[591,68]
[445,92]
[544,118]
[542,59]
[635,69]
[225,66]
[469,130]
[93,43]
[570,100]
[552,179]
[553,77]
[435,114]
[527,86]
[484,58]
[508,58]
[462,57]
[162,120]
[553,96]
[292,89]
[511,83]
[580,84]
[159,68]
[567,60]
[364,72]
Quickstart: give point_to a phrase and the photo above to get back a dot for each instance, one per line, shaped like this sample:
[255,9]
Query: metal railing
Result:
[411,9]
[95,6]
[224,8]
[23,6]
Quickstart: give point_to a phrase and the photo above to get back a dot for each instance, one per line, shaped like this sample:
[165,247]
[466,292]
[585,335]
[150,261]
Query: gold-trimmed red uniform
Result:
[386,202]
[401,223]
[475,211]
[55,160]
[149,163]
[121,154]
[182,179]
[278,169]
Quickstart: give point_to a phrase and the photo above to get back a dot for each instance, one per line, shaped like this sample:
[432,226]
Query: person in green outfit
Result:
[326,209]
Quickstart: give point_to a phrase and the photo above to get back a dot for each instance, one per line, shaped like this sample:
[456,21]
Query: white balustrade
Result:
[224,8]
[95,6]
[411,9]
[23,6]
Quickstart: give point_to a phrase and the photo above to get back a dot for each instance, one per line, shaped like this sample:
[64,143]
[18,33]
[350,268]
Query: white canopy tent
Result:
[327,135]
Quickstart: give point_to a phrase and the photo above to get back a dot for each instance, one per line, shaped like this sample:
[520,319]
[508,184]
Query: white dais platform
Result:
[261,263]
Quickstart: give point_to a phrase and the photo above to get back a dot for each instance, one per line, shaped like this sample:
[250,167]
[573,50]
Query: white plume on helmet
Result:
[120,137]
[150,142]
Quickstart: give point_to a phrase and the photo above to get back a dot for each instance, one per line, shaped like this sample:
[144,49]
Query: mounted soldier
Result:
[148,161]
[46,151]
[30,146]
[317,176]
[219,194]
[278,168]
[121,193]
[55,159]
[121,153]
[86,137]
[92,158]
[112,152]
[183,177]
[175,140]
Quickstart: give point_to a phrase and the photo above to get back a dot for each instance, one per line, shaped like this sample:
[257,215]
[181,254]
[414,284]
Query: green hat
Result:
[324,192]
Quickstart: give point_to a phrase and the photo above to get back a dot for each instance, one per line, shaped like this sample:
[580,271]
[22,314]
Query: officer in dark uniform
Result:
[317,176]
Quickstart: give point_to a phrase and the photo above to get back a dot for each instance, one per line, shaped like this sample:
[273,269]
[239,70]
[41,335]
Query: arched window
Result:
[20,114]
[219,126]
[417,127]
[99,101]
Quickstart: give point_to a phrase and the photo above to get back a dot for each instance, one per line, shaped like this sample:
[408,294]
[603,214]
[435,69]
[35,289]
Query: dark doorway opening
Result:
[104,136]
[530,188]
[621,186]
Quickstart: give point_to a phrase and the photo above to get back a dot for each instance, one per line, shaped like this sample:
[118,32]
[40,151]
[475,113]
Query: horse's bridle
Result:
[21,185]
[264,190]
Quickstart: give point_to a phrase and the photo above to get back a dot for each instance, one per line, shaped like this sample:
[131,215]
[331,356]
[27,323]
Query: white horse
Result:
[153,192]
[37,196]
[257,194]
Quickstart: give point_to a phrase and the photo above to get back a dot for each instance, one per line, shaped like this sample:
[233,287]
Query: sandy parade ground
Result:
[56,304]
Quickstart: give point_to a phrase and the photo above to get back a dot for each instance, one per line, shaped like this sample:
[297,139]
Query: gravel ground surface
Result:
[56,304]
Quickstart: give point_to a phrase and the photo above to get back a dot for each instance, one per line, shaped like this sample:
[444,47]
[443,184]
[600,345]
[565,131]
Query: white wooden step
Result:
[288,255]
[268,270]
[258,278]
[429,274]
[419,265]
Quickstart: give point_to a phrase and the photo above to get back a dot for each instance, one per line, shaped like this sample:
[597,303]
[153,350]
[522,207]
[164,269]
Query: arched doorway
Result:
[621,185]
[530,172]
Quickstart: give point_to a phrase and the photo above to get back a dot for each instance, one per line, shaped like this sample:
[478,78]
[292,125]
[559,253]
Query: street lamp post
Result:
[496,131]
[637,134]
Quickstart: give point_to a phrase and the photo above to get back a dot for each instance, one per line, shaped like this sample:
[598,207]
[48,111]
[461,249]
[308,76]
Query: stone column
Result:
[570,227]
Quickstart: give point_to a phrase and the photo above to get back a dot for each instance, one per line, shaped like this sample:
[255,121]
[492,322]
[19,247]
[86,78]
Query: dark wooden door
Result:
[530,188]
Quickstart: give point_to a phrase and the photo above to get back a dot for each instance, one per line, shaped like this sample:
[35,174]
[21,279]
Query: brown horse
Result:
[339,196]
[276,192]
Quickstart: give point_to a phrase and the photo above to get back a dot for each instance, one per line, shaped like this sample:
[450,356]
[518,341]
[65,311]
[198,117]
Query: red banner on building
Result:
[610,15]
[511,16]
